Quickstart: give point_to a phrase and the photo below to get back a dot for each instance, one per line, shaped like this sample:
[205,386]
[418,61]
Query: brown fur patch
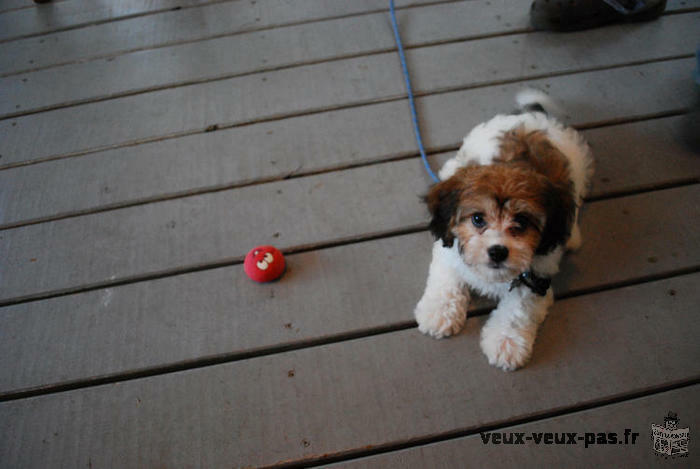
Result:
[442,201]
[502,183]
[533,150]
[529,179]
[497,191]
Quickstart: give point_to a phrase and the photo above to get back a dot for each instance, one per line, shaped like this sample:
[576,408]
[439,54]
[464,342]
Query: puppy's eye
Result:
[521,223]
[478,220]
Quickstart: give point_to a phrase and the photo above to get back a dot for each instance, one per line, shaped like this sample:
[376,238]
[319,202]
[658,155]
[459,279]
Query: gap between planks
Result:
[337,107]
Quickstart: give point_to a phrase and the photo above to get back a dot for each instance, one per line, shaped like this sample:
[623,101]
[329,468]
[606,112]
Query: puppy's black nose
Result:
[498,253]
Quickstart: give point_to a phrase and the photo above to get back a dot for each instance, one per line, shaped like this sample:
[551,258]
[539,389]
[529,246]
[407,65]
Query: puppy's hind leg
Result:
[442,310]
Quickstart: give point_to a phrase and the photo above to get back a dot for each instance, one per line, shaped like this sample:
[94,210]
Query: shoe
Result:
[573,15]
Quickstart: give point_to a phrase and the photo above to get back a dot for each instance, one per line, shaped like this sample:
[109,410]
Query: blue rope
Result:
[414,116]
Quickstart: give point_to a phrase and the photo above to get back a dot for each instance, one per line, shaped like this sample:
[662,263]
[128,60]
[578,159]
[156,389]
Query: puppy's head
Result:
[500,216]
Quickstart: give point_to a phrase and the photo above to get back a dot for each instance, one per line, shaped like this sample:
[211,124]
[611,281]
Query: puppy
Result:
[504,212]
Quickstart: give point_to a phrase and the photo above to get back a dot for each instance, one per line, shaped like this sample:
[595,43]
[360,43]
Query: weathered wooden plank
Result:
[230,218]
[160,238]
[168,236]
[11,5]
[140,227]
[174,27]
[22,20]
[254,97]
[645,155]
[64,15]
[328,140]
[166,168]
[212,313]
[230,55]
[538,54]
[233,156]
[448,114]
[636,415]
[300,405]
[195,107]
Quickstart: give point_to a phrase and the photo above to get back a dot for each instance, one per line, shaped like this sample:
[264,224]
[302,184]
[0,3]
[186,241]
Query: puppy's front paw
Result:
[441,318]
[508,349]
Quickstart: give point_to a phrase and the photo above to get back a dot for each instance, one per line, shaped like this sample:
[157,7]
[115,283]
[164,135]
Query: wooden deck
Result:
[146,146]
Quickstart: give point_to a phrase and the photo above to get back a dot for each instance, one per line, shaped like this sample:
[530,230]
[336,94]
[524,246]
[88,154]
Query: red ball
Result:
[264,264]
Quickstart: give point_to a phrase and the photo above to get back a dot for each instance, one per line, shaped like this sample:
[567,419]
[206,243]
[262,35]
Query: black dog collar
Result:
[534,282]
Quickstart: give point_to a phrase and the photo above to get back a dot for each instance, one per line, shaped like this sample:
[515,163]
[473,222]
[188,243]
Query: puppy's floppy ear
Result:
[443,202]
[560,207]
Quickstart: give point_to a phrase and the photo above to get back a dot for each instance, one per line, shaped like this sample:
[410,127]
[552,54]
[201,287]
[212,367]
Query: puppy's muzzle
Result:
[497,253]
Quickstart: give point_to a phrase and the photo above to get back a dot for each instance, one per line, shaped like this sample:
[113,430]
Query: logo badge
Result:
[669,440]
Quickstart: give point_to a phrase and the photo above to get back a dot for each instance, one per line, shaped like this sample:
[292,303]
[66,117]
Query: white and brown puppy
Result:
[504,212]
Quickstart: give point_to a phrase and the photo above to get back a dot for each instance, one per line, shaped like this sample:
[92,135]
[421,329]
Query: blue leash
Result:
[414,116]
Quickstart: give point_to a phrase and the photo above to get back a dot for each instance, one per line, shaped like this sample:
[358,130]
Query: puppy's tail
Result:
[532,100]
